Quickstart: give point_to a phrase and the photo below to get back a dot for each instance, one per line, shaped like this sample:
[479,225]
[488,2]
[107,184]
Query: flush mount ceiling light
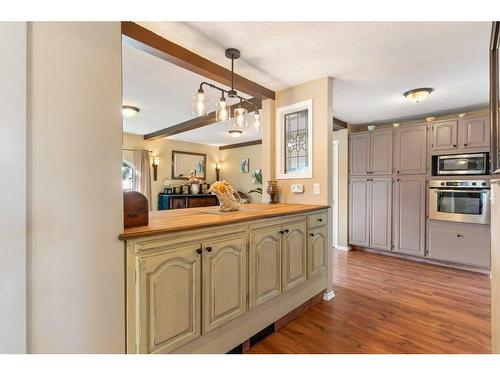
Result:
[129,111]
[222,109]
[418,95]
[235,133]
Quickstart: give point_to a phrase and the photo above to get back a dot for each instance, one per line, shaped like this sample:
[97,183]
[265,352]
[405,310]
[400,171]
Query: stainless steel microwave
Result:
[462,164]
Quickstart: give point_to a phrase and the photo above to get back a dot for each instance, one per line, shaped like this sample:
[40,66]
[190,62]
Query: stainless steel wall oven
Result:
[466,201]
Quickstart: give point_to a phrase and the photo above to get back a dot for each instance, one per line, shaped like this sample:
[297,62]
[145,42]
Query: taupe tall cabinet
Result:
[387,206]
[371,153]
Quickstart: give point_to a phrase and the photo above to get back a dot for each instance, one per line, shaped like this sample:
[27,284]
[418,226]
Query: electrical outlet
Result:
[316,189]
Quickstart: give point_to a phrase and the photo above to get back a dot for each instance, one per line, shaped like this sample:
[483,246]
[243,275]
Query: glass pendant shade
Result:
[200,103]
[256,121]
[240,117]
[222,111]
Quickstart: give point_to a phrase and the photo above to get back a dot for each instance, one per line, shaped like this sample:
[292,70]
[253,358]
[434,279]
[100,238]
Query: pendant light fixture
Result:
[222,109]
[256,121]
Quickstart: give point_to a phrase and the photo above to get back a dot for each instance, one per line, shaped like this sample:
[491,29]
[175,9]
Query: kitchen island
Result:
[204,281]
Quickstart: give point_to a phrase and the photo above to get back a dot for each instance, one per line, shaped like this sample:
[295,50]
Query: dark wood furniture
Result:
[135,209]
[176,201]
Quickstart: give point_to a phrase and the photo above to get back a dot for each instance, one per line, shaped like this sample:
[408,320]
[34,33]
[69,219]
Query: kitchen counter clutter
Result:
[204,281]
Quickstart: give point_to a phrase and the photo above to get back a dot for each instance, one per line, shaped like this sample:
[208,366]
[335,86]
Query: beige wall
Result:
[163,148]
[13,197]
[75,260]
[231,168]
[343,186]
[321,94]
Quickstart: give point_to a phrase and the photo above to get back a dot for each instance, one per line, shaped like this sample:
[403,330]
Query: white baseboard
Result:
[327,296]
[344,248]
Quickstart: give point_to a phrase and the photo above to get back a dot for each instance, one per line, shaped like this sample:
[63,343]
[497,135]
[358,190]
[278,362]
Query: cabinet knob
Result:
[311,234]
[286,231]
[281,232]
[209,249]
[455,146]
[397,172]
[199,250]
[320,220]
[465,144]
[460,235]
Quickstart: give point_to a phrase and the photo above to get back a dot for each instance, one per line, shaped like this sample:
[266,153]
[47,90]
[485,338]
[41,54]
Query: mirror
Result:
[186,164]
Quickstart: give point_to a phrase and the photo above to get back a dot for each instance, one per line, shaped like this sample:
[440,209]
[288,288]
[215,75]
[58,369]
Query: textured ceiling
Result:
[372,63]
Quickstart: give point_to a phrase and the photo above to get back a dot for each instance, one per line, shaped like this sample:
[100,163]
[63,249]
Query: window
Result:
[128,175]
[294,140]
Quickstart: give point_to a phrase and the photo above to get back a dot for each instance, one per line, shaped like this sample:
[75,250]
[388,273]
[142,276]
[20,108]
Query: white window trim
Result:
[279,135]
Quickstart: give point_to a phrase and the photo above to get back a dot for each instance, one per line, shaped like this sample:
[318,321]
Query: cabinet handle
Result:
[209,249]
[311,234]
[199,250]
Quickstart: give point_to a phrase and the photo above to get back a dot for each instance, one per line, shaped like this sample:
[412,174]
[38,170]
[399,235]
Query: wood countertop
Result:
[168,221]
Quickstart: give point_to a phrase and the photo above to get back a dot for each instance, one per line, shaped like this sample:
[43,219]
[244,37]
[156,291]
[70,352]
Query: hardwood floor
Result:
[389,305]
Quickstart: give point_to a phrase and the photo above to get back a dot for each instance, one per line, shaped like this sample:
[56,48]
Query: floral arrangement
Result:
[229,199]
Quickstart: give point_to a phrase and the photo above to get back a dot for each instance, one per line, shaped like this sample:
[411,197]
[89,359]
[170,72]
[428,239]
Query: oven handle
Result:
[462,190]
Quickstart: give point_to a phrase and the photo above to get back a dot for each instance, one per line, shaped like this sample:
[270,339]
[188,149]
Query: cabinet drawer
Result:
[460,243]
[316,220]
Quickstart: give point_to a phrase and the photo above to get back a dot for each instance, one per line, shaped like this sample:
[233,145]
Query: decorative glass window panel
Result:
[294,146]
[296,142]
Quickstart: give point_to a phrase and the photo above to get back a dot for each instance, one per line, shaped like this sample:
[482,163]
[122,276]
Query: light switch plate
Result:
[297,188]
[316,189]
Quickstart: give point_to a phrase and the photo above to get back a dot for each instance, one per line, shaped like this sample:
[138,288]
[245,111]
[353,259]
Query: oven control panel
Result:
[465,184]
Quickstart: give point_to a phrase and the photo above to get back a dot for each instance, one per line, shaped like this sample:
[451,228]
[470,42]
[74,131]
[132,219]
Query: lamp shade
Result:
[222,111]
[418,95]
[240,117]
[200,103]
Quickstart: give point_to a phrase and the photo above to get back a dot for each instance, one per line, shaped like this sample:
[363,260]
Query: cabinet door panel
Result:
[265,265]
[381,213]
[410,149]
[444,135]
[359,153]
[317,248]
[224,281]
[474,132]
[359,211]
[294,255]
[409,215]
[170,297]
[381,152]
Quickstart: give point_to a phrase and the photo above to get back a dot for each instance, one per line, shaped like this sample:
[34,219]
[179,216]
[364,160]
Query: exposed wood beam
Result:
[241,144]
[339,124]
[197,122]
[149,42]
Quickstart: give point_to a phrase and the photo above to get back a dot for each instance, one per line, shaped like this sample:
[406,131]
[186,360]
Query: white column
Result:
[13,187]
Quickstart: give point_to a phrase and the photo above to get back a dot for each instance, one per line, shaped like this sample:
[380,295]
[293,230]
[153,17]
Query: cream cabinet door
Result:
[381,213]
[410,149]
[359,211]
[294,254]
[359,153]
[317,250]
[169,298]
[444,135]
[474,132]
[265,265]
[381,152]
[224,281]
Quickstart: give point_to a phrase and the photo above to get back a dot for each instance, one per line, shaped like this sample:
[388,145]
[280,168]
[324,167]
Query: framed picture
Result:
[257,176]
[245,165]
[294,132]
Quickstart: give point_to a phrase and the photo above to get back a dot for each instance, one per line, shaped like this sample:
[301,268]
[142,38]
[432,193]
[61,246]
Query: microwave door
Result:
[461,165]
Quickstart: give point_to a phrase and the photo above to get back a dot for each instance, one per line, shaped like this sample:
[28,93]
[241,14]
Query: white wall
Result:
[75,260]
[13,193]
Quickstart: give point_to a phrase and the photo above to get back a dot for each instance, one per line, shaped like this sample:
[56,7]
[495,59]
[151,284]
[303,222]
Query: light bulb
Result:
[200,103]
[256,121]
[222,112]
[240,117]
